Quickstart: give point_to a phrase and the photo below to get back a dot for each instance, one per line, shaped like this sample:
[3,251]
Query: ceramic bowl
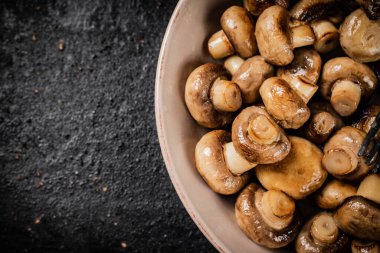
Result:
[183,49]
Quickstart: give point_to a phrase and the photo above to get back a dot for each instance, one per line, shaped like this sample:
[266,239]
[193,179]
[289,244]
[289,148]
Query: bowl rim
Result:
[195,216]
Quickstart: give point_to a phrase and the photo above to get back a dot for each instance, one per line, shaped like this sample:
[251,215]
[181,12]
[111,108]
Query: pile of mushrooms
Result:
[288,103]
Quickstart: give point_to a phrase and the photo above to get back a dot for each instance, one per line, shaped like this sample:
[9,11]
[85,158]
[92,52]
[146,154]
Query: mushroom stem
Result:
[225,96]
[262,131]
[324,229]
[302,36]
[235,162]
[326,36]
[340,161]
[320,127]
[219,46]
[233,63]
[345,97]
[370,188]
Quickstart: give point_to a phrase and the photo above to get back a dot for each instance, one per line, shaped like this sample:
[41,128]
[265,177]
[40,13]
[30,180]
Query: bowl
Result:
[183,49]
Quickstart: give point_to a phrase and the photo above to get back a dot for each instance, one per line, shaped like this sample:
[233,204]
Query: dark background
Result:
[80,164]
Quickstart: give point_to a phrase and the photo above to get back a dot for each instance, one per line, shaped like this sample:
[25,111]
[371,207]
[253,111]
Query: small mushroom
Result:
[344,82]
[310,10]
[334,193]
[303,73]
[256,7]
[219,46]
[283,103]
[212,163]
[368,117]
[360,37]
[323,122]
[321,234]
[268,218]
[257,138]
[371,7]
[299,174]
[209,97]
[249,77]
[276,40]
[326,36]
[364,247]
[233,63]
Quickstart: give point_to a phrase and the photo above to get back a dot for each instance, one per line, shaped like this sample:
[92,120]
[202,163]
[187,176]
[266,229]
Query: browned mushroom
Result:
[340,155]
[360,37]
[310,10]
[219,46]
[371,7]
[249,77]
[268,218]
[256,7]
[326,36]
[276,40]
[321,234]
[213,163]
[364,247]
[334,193]
[303,73]
[257,138]
[299,174]
[283,103]
[209,97]
[368,117]
[344,81]
[323,122]
[370,188]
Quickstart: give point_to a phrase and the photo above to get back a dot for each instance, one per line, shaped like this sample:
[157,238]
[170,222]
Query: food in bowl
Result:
[285,124]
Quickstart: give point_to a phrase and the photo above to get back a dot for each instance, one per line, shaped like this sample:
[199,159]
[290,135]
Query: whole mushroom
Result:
[364,247]
[256,7]
[311,10]
[283,103]
[268,218]
[213,163]
[209,97]
[299,174]
[341,158]
[321,234]
[344,82]
[360,37]
[332,194]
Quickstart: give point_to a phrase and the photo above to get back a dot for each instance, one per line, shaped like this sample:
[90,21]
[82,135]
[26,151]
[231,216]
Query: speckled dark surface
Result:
[80,164]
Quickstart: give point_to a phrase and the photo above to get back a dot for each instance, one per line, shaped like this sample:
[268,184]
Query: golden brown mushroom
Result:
[268,218]
[334,193]
[326,36]
[310,10]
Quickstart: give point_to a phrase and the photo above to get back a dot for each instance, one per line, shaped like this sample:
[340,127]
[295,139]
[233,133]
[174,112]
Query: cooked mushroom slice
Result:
[233,63]
[258,138]
[344,81]
[364,247]
[326,36]
[212,163]
[219,46]
[368,117]
[370,188]
[359,217]
[321,234]
[283,103]
[209,98]
[310,10]
[268,218]
[323,122]
[340,155]
[256,7]
[360,37]
[276,40]
[371,7]
[299,174]
[249,77]
[303,73]
[334,193]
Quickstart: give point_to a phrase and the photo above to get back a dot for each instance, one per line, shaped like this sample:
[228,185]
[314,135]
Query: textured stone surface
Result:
[80,165]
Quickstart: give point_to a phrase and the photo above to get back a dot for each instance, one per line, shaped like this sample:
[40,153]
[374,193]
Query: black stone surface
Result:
[80,164]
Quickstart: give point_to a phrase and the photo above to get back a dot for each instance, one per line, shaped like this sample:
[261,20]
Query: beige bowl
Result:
[183,49]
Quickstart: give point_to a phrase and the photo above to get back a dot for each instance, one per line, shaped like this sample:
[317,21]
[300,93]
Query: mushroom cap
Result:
[348,139]
[240,30]
[371,7]
[211,165]
[359,217]
[360,37]
[249,77]
[252,151]
[273,36]
[334,193]
[197,96]
[299,174]
[256,7]
[341,68]
[283,103]
[251,222]
[303,71]
[310,10]
[306,244]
